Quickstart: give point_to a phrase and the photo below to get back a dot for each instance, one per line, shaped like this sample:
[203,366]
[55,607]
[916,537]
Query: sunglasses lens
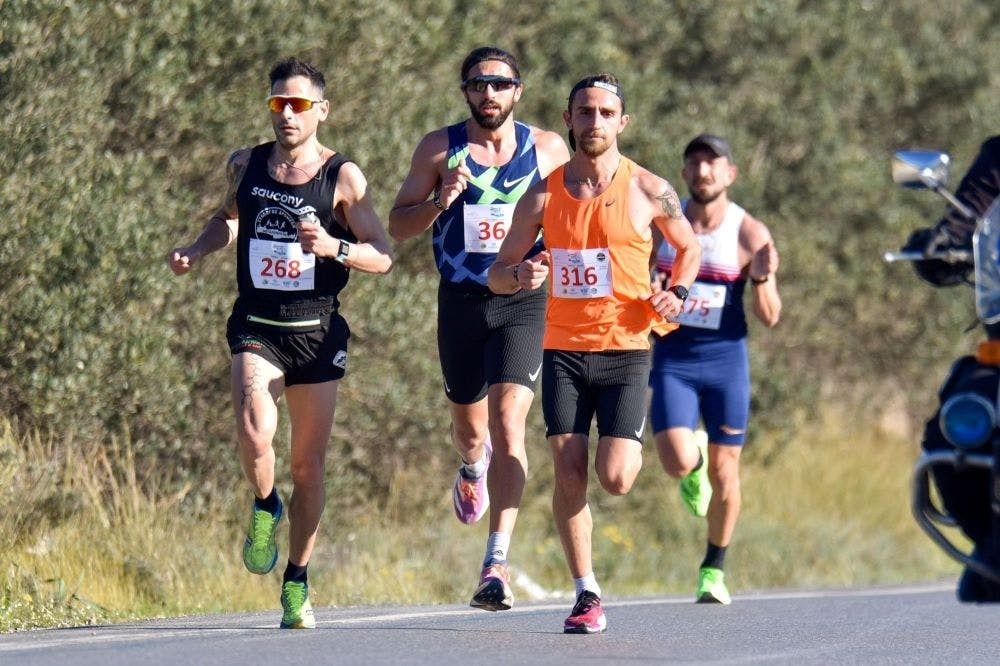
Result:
[298,104]
[498,83]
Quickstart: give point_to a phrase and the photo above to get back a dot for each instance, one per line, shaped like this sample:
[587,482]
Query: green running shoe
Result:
[696,489]
[711,588]
[297,611]
[260,552]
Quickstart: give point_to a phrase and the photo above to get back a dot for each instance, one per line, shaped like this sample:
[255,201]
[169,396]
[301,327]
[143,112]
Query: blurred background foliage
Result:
[118,118]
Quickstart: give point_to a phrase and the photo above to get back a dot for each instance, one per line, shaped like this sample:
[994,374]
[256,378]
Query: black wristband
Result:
[437,200]
[760,280]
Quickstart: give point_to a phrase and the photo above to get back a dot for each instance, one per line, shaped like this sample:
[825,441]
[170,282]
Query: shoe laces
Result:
[586,603]
[468,490]
[262,525]
[496,570]
[294,594]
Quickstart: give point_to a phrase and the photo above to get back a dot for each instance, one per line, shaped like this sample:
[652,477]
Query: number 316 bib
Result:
[581,273]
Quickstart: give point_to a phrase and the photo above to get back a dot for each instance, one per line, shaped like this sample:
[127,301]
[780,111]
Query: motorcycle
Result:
[961,441]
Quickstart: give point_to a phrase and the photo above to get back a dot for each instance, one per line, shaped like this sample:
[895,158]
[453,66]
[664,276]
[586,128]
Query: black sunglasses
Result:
[499,83]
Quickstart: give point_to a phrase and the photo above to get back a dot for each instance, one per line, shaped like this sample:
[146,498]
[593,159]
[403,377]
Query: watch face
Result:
[679,291]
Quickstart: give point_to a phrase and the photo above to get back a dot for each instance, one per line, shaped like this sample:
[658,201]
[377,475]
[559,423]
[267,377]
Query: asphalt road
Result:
[896,625]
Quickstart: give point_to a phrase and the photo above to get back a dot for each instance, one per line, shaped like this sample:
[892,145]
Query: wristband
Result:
[516,266]
[437,200]
[760,280]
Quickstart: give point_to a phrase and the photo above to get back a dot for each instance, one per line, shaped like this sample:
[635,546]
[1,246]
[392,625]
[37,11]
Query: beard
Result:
[703,198]
[489,122]
[593,146]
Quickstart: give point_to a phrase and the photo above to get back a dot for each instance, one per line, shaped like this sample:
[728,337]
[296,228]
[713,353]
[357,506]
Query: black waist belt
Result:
[292,315]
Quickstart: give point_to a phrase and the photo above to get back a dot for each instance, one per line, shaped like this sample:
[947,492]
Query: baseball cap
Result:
[710,142]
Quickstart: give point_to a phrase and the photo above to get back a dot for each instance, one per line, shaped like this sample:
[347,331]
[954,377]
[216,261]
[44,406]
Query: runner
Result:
[463,182]
[702,370]
[301,218]
[596,215]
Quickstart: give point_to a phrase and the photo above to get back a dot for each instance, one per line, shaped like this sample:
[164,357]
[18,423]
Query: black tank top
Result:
[274,277]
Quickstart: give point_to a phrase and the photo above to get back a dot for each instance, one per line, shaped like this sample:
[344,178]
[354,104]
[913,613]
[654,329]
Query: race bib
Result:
[281,266]
[581,273]
[703,307]
[486,226]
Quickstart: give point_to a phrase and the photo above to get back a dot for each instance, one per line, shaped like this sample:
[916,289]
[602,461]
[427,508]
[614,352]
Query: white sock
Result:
[476,469]
[588,582]
[497,546]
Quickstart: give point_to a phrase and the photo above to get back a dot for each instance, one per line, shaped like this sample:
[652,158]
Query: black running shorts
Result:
[486,339]
[312,356]
[610,384]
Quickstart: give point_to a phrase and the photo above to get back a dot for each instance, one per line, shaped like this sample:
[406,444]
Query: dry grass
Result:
[90,543]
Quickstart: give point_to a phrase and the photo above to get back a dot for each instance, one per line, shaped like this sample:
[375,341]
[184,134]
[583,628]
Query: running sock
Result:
[588,582]
[269,503]
[715,556]
[294,572]
[497,546]
[476,469]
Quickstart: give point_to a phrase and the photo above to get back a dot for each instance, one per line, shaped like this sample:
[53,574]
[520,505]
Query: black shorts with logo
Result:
[611,384]
[486,338]
[306,352]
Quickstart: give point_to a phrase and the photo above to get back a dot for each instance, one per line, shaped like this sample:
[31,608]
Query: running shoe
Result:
[696,489]
[260,551]
[470,497]
[711,588]
[493,593]
[297,612]
[587,616]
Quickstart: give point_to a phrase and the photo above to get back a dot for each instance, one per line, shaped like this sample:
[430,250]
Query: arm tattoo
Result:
[670,204]
[235,169]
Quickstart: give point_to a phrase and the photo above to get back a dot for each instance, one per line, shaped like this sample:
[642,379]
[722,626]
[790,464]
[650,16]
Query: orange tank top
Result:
[599,279]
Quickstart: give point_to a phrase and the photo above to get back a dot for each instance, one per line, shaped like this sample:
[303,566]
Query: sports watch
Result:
[343,251]
[680,291]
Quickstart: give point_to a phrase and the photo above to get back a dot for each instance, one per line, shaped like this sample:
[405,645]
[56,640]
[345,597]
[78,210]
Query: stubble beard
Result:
[703,199]
[593,147]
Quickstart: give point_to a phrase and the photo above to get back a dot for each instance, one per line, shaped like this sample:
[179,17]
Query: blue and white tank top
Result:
[467,236]
[714,308]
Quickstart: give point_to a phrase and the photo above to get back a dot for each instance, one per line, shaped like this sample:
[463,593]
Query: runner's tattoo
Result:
[253,382]
[670,204]
[235,168]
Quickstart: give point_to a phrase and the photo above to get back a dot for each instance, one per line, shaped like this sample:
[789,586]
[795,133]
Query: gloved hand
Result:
[940,273]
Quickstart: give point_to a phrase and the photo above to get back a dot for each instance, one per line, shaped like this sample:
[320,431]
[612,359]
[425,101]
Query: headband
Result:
[596,82]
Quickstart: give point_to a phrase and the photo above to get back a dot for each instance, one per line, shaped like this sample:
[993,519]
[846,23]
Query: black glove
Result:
[938,272]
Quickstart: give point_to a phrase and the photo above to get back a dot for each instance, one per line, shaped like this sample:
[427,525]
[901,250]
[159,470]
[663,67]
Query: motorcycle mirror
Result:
[920,168]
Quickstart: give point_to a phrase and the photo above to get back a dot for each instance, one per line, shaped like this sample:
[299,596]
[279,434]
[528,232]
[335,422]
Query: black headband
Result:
[596,82]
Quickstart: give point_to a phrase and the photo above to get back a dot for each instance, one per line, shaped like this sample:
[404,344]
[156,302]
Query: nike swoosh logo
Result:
[513,183]
[642,426]
[534,375]
[610,203]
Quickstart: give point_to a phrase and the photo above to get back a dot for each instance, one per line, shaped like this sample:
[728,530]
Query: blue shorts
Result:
[706,381]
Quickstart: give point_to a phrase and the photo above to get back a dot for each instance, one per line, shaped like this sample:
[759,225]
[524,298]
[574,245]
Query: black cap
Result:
[711,142]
